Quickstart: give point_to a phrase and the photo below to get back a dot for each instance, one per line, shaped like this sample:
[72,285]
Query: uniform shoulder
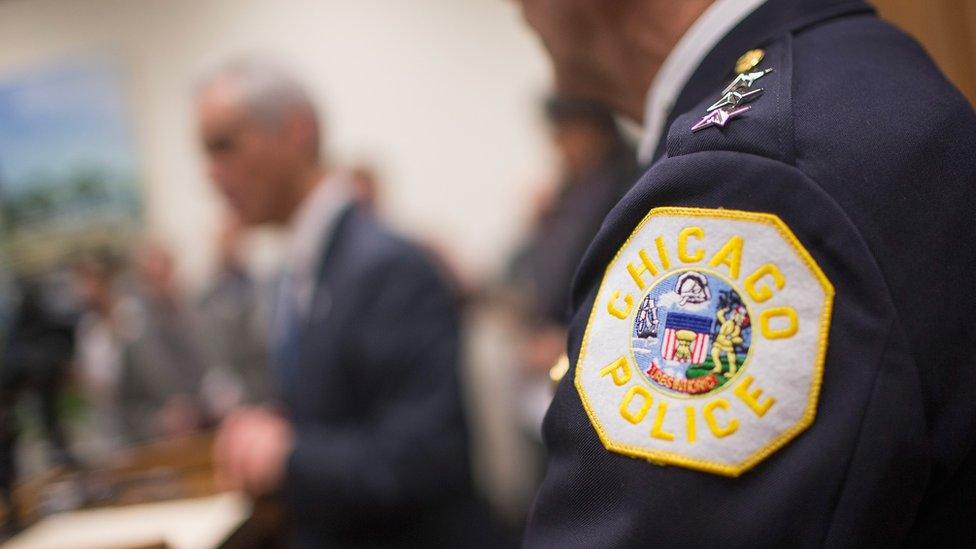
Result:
[879,128]
[844,85]
[861,84]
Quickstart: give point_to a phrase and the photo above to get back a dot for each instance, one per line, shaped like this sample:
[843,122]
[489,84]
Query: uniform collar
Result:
[713,68]
[678,67]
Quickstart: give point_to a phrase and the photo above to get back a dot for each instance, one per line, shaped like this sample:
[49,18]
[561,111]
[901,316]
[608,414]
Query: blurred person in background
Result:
[167,357]
[367,192]
[520,319]
[138,358]
[368,445]
[98,356]
[36,357]
[597,167]
[236,322]
[366,186]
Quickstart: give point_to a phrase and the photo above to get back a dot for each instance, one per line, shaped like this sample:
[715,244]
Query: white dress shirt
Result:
[309,231]
[681,63]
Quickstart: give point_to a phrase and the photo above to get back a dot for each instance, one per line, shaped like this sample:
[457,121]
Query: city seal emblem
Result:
[705,345]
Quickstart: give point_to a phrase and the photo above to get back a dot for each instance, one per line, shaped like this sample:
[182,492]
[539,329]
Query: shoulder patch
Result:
[706,342]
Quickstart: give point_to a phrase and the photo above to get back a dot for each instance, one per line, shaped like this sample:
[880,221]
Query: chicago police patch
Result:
[706,342]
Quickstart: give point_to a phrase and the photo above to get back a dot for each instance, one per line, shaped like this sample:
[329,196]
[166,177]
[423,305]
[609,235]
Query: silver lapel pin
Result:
[745,80]
[734,98]
[718,118]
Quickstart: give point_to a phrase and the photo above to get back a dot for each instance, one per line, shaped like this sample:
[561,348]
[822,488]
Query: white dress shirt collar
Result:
[681,63]
[310,230]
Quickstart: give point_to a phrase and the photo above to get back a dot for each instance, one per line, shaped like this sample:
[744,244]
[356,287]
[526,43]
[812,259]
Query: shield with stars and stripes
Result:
[700,325]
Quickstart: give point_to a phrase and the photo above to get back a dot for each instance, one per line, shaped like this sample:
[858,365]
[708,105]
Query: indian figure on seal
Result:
[729,335]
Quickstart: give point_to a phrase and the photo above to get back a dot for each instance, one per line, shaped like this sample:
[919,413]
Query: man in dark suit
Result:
[368,445]
[773,330]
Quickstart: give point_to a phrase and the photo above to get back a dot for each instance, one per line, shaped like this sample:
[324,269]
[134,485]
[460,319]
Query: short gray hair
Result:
[268,92]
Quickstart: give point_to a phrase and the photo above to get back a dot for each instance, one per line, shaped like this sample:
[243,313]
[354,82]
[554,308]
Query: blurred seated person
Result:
[368,444]
[597,168]
[235,319]
[138,357]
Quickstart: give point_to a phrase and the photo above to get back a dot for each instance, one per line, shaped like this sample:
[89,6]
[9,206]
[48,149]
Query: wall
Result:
[441,94]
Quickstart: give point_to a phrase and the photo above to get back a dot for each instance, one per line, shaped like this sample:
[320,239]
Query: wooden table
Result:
[155,482]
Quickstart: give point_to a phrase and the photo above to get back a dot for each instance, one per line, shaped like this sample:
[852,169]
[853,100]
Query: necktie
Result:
[288,326]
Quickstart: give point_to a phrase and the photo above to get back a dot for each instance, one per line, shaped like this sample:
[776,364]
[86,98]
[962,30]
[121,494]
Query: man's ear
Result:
[302,130]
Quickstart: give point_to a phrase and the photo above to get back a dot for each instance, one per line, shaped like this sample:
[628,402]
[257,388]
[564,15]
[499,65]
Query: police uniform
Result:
[812,381]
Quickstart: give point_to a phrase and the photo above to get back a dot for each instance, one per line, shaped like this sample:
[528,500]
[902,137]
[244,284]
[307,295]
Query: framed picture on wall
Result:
[68,166]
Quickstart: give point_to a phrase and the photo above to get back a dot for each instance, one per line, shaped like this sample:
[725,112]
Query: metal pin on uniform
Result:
[734,98]
[749,60]
[718,118]
[736,93]
[559,369]
[745,80]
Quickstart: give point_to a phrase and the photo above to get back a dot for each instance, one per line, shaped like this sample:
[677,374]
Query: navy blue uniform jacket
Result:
[381,456]
[868,154]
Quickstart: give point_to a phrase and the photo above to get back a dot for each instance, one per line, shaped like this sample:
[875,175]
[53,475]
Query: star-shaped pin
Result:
[745,80]
[734,98]
[718,118]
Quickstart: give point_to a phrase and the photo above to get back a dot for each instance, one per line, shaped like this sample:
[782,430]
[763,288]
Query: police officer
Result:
[813,169]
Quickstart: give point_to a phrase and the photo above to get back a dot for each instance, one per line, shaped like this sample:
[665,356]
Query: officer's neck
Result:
[644,42]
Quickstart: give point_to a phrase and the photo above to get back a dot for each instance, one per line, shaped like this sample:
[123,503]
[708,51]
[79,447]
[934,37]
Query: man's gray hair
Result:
[267,91]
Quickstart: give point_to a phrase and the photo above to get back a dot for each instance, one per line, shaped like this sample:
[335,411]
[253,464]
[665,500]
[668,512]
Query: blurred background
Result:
[131,303]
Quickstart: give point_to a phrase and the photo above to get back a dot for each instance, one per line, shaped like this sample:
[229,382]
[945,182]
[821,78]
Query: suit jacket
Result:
[381,455]
[867,154]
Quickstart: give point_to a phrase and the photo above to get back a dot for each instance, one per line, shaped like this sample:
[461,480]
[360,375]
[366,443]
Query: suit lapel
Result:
[329,264]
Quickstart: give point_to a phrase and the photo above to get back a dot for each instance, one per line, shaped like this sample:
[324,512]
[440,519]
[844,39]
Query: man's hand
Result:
[178,417]
[251,451]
